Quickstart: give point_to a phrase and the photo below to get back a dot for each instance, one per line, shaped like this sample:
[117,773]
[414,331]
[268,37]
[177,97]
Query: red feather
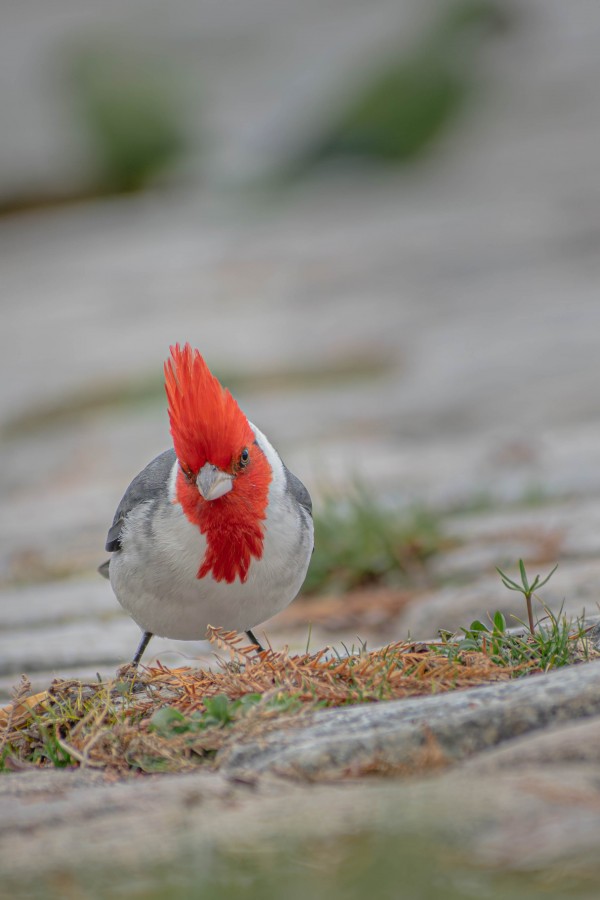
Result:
[207,425]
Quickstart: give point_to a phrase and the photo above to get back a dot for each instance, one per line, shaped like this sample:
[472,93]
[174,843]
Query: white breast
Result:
[154,575]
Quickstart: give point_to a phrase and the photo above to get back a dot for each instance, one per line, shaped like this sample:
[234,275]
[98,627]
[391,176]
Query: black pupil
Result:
[245,456]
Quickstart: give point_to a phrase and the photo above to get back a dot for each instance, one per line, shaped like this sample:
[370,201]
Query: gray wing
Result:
[297,490]
[150,484]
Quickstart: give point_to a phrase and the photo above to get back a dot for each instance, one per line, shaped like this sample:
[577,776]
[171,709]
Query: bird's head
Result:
[223,480]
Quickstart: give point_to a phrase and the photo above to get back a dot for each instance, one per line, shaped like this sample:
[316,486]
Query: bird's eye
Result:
[244,457]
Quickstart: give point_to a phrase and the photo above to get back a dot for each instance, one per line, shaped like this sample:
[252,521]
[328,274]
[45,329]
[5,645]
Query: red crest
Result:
[207,425]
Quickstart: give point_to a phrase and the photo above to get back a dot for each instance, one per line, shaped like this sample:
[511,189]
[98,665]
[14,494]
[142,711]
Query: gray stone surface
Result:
[517,819]
[561,742]
[461,724]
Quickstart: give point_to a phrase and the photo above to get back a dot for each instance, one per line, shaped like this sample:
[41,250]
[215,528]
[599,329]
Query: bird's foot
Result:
[130,678]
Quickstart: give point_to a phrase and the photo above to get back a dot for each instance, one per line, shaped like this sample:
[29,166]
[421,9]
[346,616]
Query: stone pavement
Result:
[528,810]
[462,304]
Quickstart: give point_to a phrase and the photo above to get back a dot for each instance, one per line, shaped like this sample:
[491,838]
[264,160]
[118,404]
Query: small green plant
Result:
[128,102]
[220,711]
[52,749]
[495,640]
[557,642]
[477,632]
[360,542]
[548,647]
[526,588]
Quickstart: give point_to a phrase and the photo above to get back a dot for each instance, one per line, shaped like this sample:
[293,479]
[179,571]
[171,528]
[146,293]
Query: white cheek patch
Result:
[173,483]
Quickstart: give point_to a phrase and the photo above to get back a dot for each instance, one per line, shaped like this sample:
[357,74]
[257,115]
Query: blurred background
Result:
[379,222]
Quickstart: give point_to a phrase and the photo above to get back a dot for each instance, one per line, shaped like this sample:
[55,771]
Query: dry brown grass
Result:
[113,725]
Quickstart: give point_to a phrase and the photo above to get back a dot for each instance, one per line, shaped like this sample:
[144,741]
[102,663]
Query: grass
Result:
[558,642]
[182,718]
[178,719]
[85,402]
[555,642]
[129,107]
[185,717]
[395,112]
[359,543]
[364,859]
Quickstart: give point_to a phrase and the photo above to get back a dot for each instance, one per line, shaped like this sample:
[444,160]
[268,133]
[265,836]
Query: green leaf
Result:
[475,630]
[499,622]
[548,577]
[511,585]
[249,700]
[524,575]
[220,708]
[168,721]
[149,764]
[469,644]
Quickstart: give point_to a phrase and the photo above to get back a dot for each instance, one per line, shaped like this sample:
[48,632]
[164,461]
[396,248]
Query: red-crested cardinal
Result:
[216,531]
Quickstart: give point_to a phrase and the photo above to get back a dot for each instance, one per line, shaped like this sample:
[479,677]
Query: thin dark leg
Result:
[142,646]
[252,639]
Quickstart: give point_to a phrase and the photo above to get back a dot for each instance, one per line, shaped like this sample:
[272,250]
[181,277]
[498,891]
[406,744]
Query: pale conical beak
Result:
[212,482]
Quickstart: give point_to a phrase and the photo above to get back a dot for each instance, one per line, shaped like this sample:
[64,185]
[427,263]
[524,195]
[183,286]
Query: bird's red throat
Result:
[233,524]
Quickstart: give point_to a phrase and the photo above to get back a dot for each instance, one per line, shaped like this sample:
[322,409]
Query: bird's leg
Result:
[146,637]
[129,672]
[257,644]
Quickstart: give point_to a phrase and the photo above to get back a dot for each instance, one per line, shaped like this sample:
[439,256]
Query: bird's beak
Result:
[212,482]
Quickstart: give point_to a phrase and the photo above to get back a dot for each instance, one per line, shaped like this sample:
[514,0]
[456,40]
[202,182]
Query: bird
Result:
[215,530]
